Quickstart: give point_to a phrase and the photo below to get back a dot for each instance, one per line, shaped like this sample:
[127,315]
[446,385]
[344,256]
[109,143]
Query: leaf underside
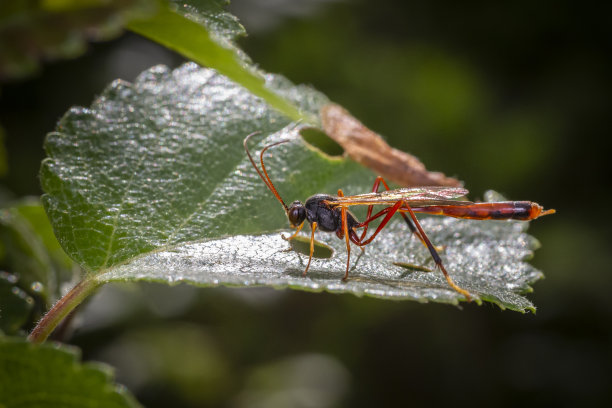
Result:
[152,183]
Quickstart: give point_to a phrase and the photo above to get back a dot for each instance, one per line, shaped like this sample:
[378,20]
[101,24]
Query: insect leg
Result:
[294,234]
[375,216]
[313,227]
[410,224]
[389,213]
[346,237]
[355,238]
[435,256]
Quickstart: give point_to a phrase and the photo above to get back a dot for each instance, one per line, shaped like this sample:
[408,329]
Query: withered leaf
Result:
[369,148]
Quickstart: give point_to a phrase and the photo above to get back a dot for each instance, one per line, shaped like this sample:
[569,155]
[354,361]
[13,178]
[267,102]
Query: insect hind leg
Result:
[347,237]
[436,256]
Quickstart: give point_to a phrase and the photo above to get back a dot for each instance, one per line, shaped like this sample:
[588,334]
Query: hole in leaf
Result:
[321,141]
[301,245]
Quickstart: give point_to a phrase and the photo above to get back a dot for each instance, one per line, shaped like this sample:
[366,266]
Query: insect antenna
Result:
[264,176]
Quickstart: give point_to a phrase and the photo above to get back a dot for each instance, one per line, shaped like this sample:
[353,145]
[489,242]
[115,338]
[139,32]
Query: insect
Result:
[330,213]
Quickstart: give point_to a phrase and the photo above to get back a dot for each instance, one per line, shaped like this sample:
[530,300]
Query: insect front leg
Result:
[294,234]
[313,227]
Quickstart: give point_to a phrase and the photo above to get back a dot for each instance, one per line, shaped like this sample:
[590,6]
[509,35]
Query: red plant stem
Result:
[61,309]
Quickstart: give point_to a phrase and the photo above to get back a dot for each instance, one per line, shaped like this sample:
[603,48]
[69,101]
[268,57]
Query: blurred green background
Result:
[511,97]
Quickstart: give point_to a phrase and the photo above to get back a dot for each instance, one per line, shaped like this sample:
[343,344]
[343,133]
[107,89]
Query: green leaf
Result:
[15,304]
[152,183]
[49,376]
[212,15]
[32,212]
[174,137]
[32,252]
[31,31]
[203,32]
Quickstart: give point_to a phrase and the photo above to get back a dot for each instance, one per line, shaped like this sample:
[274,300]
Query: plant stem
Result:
[61,309]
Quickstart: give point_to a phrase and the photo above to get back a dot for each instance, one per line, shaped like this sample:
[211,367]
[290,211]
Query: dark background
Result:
[510,97]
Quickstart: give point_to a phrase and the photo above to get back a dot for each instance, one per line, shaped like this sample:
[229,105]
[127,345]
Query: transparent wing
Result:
[414,196]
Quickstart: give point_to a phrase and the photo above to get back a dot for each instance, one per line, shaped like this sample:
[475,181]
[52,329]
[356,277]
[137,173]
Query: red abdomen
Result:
[505,210]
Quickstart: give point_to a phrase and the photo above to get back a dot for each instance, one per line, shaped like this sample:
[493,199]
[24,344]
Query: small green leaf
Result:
[203,32]
[49,376]
[32,211]
[152,183]
[412,267]
[25,254]
[15,304]
[212,15]
[32,252]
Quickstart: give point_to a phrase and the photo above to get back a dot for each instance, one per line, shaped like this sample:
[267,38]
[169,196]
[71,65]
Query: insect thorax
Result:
[327,218]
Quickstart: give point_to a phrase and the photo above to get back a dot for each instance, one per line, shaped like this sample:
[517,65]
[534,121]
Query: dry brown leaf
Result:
[368,148]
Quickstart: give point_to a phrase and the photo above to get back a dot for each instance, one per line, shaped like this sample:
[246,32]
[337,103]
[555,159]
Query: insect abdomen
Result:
[505,210]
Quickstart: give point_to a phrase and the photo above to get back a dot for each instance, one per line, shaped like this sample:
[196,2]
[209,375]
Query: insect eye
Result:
[296,215]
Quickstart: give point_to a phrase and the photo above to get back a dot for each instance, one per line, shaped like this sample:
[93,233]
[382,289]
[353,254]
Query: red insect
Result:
[330,213]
